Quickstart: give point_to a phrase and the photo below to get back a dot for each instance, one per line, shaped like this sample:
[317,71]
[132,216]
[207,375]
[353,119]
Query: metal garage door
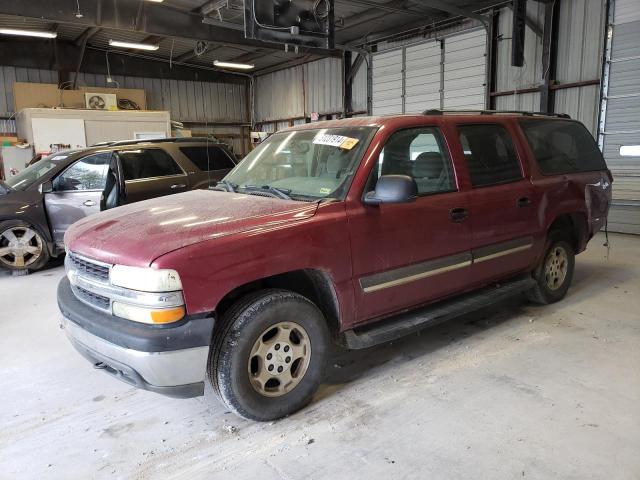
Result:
[423,77]
[621,145]
[465,70]
[447,73]
[387,82]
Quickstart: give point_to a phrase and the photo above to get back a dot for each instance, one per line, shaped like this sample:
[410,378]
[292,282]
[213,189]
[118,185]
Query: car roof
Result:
[382,120]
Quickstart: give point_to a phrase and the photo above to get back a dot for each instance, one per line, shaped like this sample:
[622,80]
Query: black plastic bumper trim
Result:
[188,333]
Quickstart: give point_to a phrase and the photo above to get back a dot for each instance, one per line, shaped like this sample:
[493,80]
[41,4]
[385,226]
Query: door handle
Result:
[89,203]
[458,214]
[523,202]
[177,185]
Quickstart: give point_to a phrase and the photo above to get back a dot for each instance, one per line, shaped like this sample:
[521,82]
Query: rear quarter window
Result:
[207,159]
[562,146]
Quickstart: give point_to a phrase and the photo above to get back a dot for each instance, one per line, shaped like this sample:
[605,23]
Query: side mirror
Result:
[46,187]
[393,189]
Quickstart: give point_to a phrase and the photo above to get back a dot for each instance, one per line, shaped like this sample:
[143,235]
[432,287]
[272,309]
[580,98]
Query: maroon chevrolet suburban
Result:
[356,231]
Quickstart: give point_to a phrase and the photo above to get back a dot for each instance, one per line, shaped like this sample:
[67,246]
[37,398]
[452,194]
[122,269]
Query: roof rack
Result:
[436,111]
[161,140]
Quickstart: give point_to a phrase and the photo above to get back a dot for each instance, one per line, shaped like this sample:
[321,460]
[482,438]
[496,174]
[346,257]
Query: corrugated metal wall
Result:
[298,91]
[510,78]
[580,43]
[187,101]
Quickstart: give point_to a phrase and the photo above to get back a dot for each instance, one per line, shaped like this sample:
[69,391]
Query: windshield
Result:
[30,175]
[308,164]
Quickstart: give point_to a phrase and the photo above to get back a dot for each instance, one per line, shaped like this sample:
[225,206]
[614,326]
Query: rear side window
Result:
[491,157]
[216,159]
[562,146]
[147,163]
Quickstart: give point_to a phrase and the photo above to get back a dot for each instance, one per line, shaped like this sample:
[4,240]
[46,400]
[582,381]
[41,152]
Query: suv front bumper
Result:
[167,360]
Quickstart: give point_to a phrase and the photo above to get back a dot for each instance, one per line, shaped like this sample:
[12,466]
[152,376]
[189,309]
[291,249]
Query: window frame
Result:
[121,167]
[514,143]
[443,144]
[71,165]
[535,161]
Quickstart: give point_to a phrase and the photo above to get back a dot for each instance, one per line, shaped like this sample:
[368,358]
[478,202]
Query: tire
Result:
[554,273]
[37,255]
[254,327]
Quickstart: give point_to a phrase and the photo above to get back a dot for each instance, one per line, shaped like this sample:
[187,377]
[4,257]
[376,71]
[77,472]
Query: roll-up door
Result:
[448,73]
[387,82]
[423,78]
[621,145]
[465,70]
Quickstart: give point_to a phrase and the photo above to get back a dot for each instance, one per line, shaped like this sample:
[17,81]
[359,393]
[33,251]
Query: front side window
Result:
[490,154]
[147,163]
[208,158]
[562,146]
[419,153]
[311,164]
[88,173]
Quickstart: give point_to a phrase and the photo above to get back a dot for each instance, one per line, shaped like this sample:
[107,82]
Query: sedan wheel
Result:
[20,247]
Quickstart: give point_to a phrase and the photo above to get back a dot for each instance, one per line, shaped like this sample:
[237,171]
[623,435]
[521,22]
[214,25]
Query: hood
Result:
[139,233]
[16,200]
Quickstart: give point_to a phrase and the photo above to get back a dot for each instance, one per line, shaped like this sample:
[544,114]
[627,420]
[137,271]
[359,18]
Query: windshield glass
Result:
[311,164]
[31,174]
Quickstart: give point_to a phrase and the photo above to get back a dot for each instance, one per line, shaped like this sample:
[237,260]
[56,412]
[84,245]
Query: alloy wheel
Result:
[279,359]
[556,268]
[20,247]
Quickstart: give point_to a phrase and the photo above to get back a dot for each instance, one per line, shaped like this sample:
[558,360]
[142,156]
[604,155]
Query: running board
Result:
[409,322]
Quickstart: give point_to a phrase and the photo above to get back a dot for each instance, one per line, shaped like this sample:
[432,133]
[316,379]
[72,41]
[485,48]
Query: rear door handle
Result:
[523,202]
[458,214]
[177,185]
[89,203]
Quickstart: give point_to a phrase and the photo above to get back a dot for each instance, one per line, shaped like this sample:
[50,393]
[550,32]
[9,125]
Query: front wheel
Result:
[268,354]
[21,246]
[554,274]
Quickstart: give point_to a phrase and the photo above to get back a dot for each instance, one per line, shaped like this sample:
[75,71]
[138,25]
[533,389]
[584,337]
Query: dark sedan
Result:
[38,205]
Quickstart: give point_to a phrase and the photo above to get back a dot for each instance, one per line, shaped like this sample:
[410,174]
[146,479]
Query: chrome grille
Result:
[91,298]
[92,269]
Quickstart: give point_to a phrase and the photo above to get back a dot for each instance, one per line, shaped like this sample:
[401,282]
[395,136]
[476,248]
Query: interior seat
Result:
[429,172]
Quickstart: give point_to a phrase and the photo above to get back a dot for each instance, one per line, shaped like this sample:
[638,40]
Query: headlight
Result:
[145,279]
[146,314]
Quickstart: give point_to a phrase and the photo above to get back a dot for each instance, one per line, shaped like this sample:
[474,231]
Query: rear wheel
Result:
[554,274]
[268,354]
[21,246]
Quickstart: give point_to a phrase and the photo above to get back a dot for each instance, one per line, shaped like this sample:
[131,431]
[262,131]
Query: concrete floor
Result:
[514,391]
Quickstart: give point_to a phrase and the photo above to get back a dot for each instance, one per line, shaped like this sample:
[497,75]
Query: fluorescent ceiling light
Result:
[241,66]
[137,46]
[156,1]
[28,33]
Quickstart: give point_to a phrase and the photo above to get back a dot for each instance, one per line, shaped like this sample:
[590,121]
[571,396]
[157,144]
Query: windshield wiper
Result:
[225,186]
[275,191]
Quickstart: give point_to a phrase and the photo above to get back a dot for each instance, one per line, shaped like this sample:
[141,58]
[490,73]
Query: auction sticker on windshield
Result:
[339,141]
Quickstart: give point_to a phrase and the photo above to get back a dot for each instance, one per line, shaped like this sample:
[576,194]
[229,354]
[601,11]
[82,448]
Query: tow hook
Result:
[99,365]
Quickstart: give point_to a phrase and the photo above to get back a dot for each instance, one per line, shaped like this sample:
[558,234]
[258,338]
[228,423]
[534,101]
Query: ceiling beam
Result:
[136,16]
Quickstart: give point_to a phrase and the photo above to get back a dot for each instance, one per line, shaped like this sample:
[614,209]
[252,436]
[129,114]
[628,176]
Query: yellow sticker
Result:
[325,190]
[349,143]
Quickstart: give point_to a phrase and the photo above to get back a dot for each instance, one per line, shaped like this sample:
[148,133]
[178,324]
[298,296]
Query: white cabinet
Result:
[44,127]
